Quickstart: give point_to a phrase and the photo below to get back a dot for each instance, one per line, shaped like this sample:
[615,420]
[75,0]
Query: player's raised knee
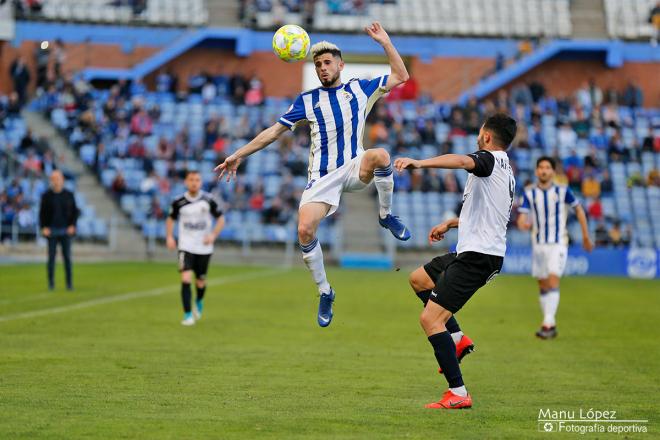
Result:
[425,319]
[419,280]
[414,282]
[381,157]
[305,233]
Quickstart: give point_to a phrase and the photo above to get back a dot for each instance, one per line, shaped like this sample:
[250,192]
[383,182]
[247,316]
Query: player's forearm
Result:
[169,227]
[261,141]
[452,224]
[448,161]
[582,219]
[219,225]
[521,221]
[399,73]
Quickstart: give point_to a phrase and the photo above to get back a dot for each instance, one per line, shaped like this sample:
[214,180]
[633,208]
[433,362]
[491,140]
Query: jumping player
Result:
[447,282]
[336,113]
[547,204]
[195,211]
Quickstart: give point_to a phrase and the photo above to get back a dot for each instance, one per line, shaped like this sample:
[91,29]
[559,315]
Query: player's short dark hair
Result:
[188,172]
[503,128]
[548,159]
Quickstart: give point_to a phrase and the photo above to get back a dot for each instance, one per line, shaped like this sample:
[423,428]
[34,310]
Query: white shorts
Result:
[548,259]
[329,188]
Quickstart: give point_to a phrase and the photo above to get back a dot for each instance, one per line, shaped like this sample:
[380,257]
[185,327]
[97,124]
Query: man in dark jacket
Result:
[57,217]
[20,76]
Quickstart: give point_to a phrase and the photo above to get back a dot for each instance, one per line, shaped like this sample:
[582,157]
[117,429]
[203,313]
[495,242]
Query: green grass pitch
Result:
[112,361]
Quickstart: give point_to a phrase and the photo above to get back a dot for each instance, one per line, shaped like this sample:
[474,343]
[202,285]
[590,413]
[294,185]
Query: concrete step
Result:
[124,237]
[223,13]
[588,19]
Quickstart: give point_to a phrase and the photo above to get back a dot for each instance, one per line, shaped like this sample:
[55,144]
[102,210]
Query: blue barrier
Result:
[366,261]
[633,262]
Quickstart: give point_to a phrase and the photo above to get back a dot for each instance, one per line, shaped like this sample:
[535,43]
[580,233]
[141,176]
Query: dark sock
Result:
[445,353]
[452,325]
[186,297]
[200,293]
[424,295]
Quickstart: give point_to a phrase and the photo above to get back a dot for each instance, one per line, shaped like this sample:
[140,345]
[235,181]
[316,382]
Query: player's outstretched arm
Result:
[448,161]
[217,229]
[587,244]
[261,141]
[438,232]
[169,228]
[399,73]
[523,222]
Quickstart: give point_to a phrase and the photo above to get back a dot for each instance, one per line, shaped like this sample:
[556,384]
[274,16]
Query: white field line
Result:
[135,295]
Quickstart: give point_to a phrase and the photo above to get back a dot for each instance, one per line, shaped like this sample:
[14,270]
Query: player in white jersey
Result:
[447,282]
[336,113]
[547,205]
[195,212]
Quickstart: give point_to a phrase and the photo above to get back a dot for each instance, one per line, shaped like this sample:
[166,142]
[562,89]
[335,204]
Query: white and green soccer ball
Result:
[291,43]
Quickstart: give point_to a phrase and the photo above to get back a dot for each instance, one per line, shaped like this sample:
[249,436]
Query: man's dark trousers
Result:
[64,239]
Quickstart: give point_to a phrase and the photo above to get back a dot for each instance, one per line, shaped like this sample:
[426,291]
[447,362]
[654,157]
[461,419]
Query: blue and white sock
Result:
[313,258]
[384,181]
[551,306]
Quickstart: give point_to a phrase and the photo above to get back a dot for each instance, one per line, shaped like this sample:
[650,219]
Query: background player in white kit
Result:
[544,210]
[447,282]
[336,113]
[195,211]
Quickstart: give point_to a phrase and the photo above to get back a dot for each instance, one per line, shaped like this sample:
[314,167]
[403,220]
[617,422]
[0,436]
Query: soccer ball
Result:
[291,43]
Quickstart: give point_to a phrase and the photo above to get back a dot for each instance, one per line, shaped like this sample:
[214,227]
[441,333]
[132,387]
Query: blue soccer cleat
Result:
[325,308]
[197,309]
[188,319]
[395,226]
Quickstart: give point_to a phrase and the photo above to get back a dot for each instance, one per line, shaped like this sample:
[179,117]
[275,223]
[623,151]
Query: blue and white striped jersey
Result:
[337,118]
[548,209]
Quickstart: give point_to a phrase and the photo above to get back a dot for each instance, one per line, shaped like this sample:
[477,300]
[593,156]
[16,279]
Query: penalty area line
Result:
[136,295]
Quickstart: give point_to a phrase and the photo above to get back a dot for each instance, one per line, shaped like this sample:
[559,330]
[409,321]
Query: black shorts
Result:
[195,262]
[457,277]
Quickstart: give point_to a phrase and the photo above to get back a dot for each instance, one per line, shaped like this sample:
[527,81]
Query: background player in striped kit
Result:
[336,113]
[546,204]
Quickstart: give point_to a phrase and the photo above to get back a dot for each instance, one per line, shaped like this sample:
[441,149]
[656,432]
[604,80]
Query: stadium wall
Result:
[562,77]
[443,67]
[78,57]
[279,79]
[442,77]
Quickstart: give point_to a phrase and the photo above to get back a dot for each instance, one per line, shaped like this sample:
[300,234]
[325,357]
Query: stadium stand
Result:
[140,144]
[154,12]
[629,19]
[609,155]
[25,163]
[608,152]
[514,18]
